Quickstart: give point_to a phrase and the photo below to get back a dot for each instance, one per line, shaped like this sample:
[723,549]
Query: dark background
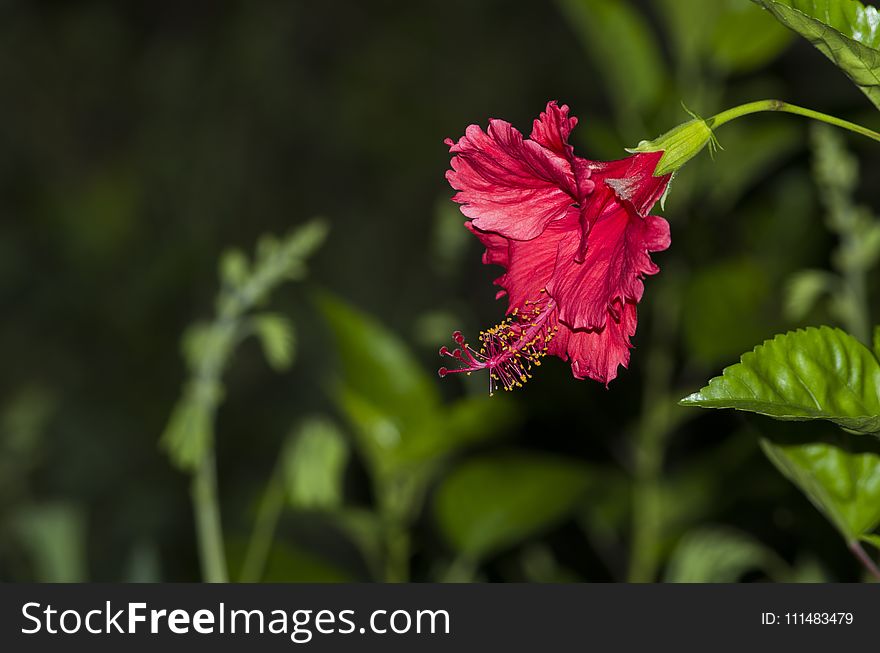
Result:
[139,140]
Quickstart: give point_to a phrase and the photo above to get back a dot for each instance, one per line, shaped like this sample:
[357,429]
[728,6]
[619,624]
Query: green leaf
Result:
[872,539]
[719,555]
[626,52]
[378,433]
[489,503]
[314,463]
[234,268]
[190,428]
[844,486]
[741,39]
[729,35]
[465,422]
[815,373]
[277,337]
[377,366]
[54,536]
[845,31]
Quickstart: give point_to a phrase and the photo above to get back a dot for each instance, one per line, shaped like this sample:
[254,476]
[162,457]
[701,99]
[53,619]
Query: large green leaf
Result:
[844,486]
[815,373]
[377,365]
[489,503]
[845,31]
[393,403]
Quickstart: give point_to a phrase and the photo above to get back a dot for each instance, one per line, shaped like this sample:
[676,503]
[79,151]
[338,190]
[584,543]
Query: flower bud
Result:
[679,145]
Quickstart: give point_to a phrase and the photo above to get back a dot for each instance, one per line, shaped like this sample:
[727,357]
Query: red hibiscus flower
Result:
[574,237]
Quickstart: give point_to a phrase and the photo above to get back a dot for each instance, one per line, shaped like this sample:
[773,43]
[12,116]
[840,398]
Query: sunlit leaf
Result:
[314,465]
[844,486]
[719,555]
[277,337]
[234,268]
[845,31]
[815,373]
[489,503]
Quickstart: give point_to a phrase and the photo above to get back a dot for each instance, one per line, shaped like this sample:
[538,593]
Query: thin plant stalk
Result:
[212,555]
[866,560]
[784,107]
[268,515]
[652,431]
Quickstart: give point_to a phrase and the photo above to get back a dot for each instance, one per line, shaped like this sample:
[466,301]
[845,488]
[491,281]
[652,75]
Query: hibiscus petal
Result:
[612,270]
[507,184]
[632,179]
[599,353]
[529,264]
[553,128]
[497,251]
[496,246]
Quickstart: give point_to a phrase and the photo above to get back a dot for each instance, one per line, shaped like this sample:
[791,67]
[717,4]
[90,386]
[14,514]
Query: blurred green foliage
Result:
[142,140]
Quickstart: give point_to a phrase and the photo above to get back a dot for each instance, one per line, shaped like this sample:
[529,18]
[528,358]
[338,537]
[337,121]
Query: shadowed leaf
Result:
[845,31]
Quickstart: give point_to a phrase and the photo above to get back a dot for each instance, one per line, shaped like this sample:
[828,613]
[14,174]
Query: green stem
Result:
[784,107]
[652,431]
[268,514]
[865,559]
[207,513]
[646,517]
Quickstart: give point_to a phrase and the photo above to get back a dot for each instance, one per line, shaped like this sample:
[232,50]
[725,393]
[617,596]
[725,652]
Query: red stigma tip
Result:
[507,351]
